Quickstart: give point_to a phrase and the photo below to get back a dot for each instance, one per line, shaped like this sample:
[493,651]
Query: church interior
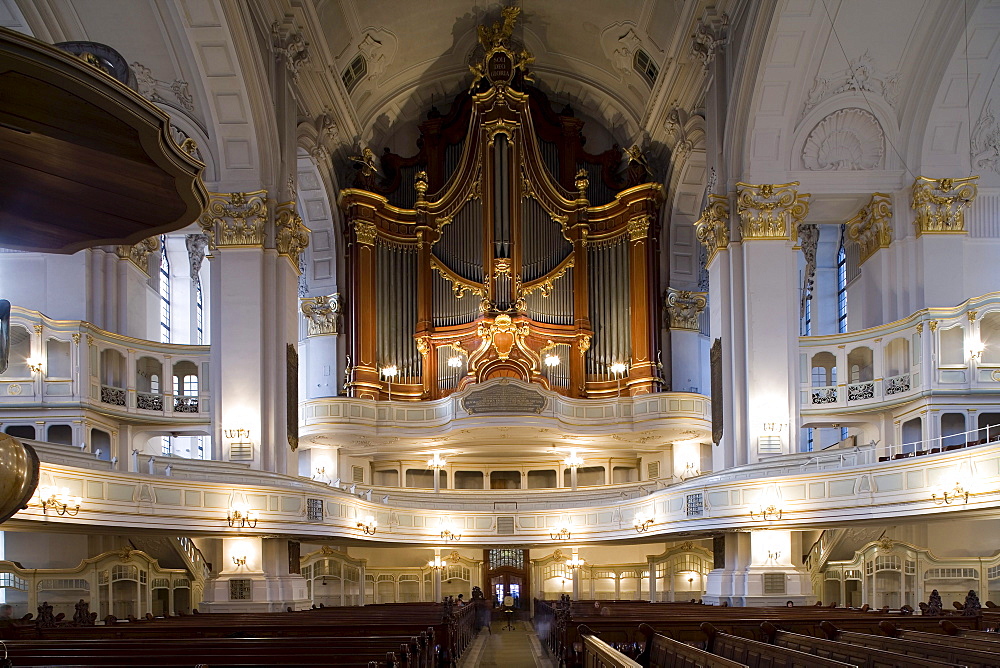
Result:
[329,303]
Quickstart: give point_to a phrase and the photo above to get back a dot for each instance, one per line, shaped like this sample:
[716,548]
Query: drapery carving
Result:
[808,240]
[290,236]
[196,245]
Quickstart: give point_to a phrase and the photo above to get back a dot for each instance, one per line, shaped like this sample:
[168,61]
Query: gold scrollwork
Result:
[638,227]
[423,345]
[683,308]
[365,232]
[290,236]
[235,219]
[139,253]
[871,227]
[459,285]
[770,211]
[584,344]
[940,204]
[323,314]
[503,324]
[546,284]
[712,228]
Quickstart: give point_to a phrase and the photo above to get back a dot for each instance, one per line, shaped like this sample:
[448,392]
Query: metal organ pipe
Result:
[610,313]
[501,196]
[396,317]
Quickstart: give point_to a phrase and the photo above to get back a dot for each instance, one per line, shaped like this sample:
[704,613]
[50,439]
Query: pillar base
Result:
[745,588]
[267,594]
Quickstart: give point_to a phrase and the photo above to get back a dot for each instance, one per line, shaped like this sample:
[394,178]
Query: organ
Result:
[502,248]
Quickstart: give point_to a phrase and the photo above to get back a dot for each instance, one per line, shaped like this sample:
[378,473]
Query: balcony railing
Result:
[73,376]
[935,349]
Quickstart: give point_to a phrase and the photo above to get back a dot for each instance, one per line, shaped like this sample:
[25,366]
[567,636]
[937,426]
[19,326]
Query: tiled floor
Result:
[496,647]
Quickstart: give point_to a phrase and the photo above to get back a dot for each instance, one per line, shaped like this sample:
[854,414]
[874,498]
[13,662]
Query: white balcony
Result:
[68,364]
[934,351]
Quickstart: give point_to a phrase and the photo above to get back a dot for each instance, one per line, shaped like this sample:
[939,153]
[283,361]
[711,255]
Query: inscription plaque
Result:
[504,398]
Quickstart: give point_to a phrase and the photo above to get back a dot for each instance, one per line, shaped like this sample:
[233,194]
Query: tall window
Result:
[199,314]
[186,387]
[807,324]
[164,292]
[166,447]
[841,285]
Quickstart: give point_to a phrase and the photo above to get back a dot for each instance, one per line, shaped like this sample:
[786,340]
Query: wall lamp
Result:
[59,500]
[369,525]
[241,516]
[563,533]
[953,495]
[390,372]
[437,563]
[642,524]
[451,533]
[575,563]
[618,369]
[455,362]
[436,462]
[240,561]
[35,364]
[574,461]
[769,513]
[976,352]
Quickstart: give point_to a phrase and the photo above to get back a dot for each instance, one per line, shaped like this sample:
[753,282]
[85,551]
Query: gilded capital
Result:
[684,307]
[365,232]
[712,228]
[138,254]
[940,204]
[770,211]
[323,314]
[871,227]
[290,236]
[638,227]
[235,219]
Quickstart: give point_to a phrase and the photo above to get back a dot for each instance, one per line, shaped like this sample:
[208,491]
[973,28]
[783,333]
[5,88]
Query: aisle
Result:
[519,648]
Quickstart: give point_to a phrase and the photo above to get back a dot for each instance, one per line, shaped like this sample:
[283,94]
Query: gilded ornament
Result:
[940,204]
[920,327]
[503,324]
[420,184]
[423,345]
[139,253]
[290,236]
[582,182]
[38,328]
[584,344]
[459,285]
[547,284]
[712,228]
[871,227]
[971,315]
[76,337]
[365,232]
[235,219]
[684,307]
[638,227]
[323,314]
[933,325]
[769,211]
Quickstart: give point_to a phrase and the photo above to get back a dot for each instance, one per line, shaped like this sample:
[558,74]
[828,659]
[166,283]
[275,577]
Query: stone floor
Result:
[496,647]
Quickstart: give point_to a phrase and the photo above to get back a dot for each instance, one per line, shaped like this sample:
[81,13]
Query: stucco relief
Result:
[986,141]
[847,139]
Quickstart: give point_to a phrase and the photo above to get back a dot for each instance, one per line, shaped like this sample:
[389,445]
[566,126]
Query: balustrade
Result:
[931,350]
[105,372]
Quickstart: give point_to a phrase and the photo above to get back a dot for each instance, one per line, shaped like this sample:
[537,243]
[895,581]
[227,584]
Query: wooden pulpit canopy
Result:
[84,160]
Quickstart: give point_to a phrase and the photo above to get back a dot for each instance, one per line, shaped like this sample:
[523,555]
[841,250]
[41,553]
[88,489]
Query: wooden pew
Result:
[863,657]
[762,655]
[664,652]
[988,644]
[923,650]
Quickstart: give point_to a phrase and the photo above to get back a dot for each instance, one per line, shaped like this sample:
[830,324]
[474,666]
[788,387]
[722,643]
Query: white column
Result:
[652,579]
[437,577]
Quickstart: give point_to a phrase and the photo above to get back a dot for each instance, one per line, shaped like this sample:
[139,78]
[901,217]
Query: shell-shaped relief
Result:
[847,139]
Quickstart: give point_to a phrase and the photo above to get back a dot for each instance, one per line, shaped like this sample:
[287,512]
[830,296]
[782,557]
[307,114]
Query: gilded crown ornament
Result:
[769,211]
[712,229]
[940,204]
[871,228]
[501,58]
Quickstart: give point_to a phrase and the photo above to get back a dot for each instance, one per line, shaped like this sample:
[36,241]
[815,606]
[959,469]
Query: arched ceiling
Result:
[418,53]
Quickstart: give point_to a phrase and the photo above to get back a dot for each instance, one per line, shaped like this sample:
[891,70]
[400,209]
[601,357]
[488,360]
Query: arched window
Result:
[841,285]
[164,292]
[644,65]
[354,72]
